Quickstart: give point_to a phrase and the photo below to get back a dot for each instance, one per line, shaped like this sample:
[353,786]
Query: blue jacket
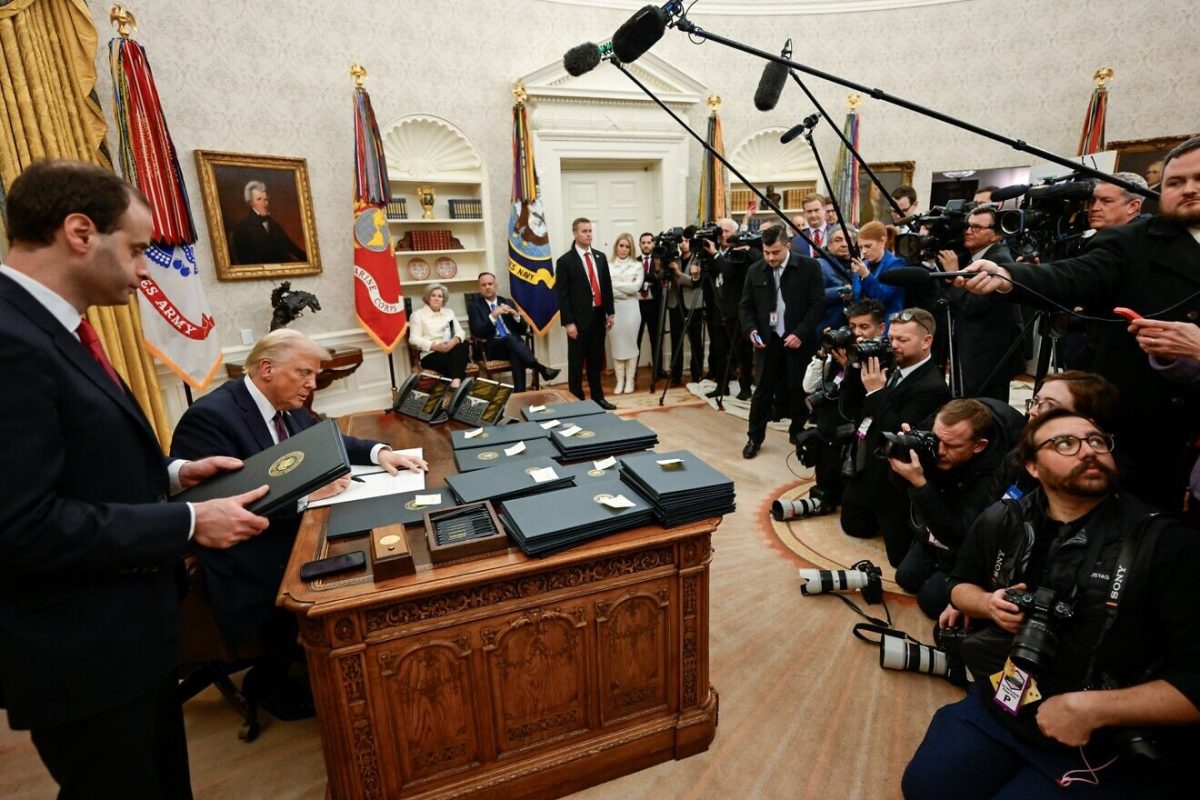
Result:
[892,297]
[835,277]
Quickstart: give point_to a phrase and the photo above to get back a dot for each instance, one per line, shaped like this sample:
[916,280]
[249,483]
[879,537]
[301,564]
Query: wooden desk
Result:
[505,676]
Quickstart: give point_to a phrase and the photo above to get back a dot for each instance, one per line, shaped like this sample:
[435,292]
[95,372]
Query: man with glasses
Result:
[985,328]
[908,392]
[1124,676]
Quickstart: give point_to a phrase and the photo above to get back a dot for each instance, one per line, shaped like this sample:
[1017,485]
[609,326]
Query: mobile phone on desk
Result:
[332,565]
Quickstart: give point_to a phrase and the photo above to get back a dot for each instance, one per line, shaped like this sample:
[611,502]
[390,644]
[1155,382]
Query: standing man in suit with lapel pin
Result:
[89,622]
[585,304]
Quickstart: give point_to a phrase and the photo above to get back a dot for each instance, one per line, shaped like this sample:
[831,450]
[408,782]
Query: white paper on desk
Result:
[372,469]
[473,434]
[427,500]
[571,431]
[544,474]
[607,463]
[551,424]
[615,501]
[536,409]
[519,447]
[376,484]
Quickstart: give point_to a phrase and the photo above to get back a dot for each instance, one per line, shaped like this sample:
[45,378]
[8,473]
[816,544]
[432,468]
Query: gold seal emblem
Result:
[586,434]
[600,498]
[488,455]
[412,505]
[597,473]
[286,463]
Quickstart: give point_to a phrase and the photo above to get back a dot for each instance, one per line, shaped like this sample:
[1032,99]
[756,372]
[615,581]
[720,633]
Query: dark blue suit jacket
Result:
[479,318]
[242,582]
[88,599]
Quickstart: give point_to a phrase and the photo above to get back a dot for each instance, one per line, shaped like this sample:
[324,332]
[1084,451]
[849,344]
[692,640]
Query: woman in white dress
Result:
[626,275]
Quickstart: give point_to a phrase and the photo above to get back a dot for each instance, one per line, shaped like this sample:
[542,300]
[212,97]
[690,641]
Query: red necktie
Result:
[645,293]
[817,236]
[280,426]
[591,269]
[89,339]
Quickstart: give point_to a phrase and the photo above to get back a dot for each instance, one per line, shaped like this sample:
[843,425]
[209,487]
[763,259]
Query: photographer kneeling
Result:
[1091,637]
[950,475]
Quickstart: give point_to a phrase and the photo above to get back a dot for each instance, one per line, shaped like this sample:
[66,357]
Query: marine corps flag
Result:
[530,268]
[176,324]
[378,296]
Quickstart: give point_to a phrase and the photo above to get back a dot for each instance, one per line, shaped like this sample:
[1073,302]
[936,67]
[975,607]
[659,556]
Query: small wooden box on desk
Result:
[504,676]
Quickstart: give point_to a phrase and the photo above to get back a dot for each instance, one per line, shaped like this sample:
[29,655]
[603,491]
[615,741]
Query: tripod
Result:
[677,352]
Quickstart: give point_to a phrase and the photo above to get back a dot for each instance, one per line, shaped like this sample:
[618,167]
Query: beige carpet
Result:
[806,712]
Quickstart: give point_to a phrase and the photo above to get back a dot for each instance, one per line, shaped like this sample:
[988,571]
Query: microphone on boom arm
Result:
[774,77]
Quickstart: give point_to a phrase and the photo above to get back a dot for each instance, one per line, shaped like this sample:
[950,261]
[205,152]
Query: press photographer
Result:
[679,272]
[729,353]
[910,391]
[950,471]
[1089,660]
[1148,266]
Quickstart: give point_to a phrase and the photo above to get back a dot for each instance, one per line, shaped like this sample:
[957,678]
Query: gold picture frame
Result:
[245,245]
[891,174]
[1137,155]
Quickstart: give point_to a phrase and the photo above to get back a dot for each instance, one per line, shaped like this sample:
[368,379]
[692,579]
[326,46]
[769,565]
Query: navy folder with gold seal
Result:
[296,466]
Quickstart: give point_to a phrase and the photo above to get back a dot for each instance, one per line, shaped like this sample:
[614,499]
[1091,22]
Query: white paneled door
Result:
[615,200]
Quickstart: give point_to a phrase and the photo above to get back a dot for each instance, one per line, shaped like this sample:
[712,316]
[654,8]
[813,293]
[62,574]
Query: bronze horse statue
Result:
[289,304]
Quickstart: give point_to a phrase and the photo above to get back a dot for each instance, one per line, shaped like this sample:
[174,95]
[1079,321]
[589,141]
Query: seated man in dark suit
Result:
[495,320]
[241,418]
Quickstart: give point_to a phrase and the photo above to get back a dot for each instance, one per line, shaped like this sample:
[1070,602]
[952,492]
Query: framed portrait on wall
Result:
[260,217]
[1145,156]
[872,205]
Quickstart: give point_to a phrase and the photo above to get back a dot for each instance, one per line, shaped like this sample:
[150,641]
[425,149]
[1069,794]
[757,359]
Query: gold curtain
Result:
[49,109]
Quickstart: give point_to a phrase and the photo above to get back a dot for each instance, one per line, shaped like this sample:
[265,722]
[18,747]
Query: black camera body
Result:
[711,232]
[899,445]
[753,240]
[666,245]
[1036,642]
[880,349]
[943,230]
[837,338]
[1051,221]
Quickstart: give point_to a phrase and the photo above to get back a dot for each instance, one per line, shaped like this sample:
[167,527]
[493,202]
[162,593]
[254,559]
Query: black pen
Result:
[357,479]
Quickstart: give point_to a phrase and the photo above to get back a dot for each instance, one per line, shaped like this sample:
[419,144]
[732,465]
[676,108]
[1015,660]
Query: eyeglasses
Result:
[1041,404]
[978,228]
[907,316]
[1068,445]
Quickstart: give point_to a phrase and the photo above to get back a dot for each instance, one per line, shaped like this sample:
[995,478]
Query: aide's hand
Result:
[224,522]
[949,260]
[393,462]
[608,322]
[572,331]
[986,281]
[194,472]
[873,378]
[792,341]
[1068,718]
[910,470]
[331,489]
[860,268]
[1004,613]
[1167,339]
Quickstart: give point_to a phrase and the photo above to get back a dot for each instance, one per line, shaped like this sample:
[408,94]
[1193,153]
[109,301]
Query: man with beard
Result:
[1152,266]
[1127,661]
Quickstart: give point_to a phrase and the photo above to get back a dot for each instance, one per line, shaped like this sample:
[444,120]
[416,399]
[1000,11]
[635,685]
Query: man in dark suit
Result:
[781,303]
[259,239]
[730,266]
[585,304]
[495,320]
[650,299]
[986,329]
[880,401]
[245,417]
[817,228]
[89,623]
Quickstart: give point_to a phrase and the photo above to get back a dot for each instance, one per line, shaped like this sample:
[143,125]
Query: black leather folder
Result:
[680,492]
[293,468]
[579,408]
[549,523]
[511,479]
[603,439]
[586,472]
[346,519]
[498,434]
[493,456]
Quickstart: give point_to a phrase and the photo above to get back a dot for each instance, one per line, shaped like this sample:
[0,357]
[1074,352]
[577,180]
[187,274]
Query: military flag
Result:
[1091,140]
[845,171]
[530,267]
[714,182]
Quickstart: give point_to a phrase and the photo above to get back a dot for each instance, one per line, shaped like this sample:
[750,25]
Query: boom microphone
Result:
[581,58]
[639,33]
[770,85]
[809,123]
[1009,192]
[917,276]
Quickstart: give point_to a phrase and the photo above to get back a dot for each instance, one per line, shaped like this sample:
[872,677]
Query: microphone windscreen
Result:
[905,276]
[770,86]
[581,58]
[1009,192]
[639,33]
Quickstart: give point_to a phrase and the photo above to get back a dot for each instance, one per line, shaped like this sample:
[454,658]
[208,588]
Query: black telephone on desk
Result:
[423,396]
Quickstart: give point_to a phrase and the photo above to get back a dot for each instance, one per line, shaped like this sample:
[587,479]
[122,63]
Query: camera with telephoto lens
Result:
[1052,219]
[1036,642]
[820,398]
[899,445]
[858,353]
[943,228]
[899,652]
[837,338]
[863,576]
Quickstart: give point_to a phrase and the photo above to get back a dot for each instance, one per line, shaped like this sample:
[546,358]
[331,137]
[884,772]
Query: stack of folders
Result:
[549,523]
[580,408]
[600,436]
[497,435]
[475,458]
[515,478]
[680,486]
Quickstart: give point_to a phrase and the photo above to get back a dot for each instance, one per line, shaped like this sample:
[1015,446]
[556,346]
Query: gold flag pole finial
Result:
[359,73]
[124,20]
[853,100]
[1102,76]
[714,102]
[519,93]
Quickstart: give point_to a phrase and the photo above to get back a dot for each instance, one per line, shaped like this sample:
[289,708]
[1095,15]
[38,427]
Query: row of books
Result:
[466,209]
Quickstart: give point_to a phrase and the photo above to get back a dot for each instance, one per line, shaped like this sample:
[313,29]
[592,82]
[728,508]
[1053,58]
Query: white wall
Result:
[272,78]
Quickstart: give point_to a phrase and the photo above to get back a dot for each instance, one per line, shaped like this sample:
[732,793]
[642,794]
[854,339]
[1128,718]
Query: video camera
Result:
[1051,220]
[666,244]
[899,445]
[942,227]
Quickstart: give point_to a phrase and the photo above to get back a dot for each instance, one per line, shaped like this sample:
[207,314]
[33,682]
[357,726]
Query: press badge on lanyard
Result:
[774,318]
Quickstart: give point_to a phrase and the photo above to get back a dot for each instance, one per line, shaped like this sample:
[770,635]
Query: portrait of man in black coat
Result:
[259,239]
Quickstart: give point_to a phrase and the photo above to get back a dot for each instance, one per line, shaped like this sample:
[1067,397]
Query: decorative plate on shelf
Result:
[445,267]
[418,269]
